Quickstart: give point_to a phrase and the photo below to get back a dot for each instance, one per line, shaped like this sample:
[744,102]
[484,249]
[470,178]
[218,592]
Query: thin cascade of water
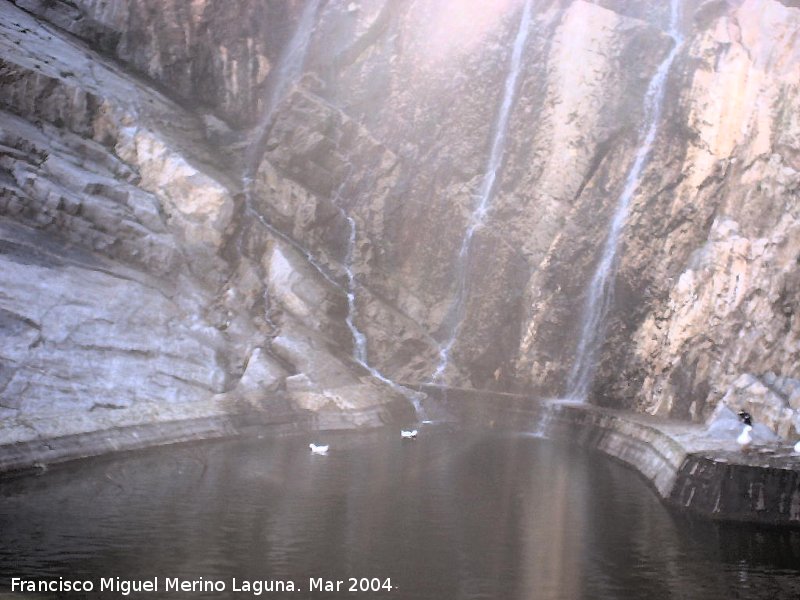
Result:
[600,292]
[486,189]
[296,245]
[360,354]
[543,421]
[359,339]
[287,71]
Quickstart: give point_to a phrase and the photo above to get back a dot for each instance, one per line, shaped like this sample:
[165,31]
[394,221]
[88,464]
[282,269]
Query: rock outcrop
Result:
[131,292]
[707,273]
[710,270]
[137,275]
[213,57]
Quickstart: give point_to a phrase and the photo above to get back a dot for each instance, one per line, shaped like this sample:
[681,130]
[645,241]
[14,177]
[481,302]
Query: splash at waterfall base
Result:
[687,465]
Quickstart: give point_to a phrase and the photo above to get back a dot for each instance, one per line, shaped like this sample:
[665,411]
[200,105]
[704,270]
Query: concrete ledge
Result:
[687,468]
[37,453]
[717,486]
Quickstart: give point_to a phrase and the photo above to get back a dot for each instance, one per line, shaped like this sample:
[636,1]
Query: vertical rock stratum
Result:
[137,284]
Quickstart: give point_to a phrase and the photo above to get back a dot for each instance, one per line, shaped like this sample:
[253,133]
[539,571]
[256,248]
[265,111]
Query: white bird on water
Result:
[407,435]
[318,449]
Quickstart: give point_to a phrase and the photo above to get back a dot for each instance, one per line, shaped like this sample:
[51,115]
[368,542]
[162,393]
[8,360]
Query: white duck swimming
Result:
[318,449]
[407,435]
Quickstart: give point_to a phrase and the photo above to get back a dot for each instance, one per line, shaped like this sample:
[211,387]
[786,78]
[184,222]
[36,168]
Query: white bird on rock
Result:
[745,439]
[797,448]
[318,449]
[407,435]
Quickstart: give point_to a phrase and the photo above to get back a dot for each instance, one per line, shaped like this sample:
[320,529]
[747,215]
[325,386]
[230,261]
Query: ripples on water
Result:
[451,515]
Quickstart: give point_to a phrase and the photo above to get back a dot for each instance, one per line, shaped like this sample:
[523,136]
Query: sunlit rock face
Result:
[122,170]
[131,291]
[434,104]
[710,267]
[102,310]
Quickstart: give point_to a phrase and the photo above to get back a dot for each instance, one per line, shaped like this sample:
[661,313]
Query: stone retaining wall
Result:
[676,458]
[43,451]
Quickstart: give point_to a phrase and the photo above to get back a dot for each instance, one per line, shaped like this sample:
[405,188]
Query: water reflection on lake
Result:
[453,514]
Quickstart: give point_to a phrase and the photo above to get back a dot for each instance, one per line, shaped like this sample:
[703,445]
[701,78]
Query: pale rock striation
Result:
[733,221]
[213,56]
[124,299]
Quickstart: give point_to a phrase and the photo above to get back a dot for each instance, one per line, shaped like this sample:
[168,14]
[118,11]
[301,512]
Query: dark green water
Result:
[451,515]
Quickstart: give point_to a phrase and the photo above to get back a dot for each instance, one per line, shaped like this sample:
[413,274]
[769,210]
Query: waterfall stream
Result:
[288,70]
[456,313]
[359,339]
[600,292]
[360,354]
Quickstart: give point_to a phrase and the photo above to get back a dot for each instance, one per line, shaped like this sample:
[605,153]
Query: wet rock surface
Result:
[138,284]
[128,293]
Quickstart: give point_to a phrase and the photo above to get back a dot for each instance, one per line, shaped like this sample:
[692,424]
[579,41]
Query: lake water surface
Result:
[453,514]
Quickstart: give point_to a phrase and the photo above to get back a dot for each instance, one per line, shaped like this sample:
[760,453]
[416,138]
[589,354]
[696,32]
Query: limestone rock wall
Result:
[710,267]
[100,308]
[429,96]
[127,144]
[716,199]
[131,290]
[213,56]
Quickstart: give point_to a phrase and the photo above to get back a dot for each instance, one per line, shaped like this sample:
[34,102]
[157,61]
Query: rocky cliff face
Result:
[704,291]
[139,284]
[132,290]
